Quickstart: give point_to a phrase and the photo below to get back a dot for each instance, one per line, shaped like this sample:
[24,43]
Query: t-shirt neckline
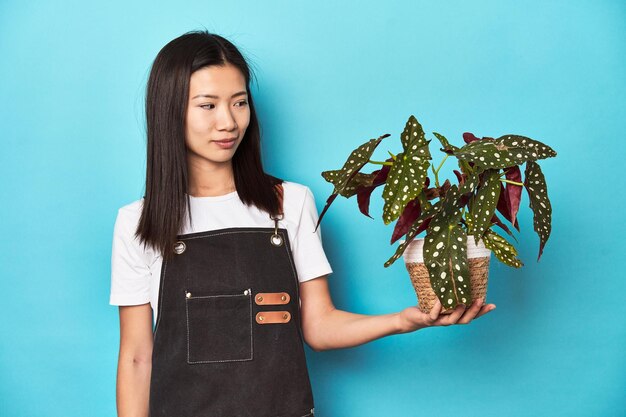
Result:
[213,197]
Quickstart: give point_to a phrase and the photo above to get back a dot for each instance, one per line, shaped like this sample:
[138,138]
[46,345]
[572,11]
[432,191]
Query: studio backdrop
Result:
[329,76]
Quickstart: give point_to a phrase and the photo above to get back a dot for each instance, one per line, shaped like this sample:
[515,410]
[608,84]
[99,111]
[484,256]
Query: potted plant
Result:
[451,261]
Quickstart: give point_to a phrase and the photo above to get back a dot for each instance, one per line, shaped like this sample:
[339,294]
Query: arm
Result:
[135,361]
[325,327]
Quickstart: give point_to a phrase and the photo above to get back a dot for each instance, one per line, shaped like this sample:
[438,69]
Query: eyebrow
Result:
[241,93]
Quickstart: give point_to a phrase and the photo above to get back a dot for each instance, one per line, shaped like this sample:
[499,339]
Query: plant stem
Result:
[512,182]
[380,162]
[436,172]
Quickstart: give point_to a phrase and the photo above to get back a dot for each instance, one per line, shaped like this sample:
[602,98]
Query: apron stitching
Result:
[283,233]
[224,360]
[161,282]
[229,233]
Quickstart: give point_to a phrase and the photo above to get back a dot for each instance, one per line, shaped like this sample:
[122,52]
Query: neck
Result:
[208,180]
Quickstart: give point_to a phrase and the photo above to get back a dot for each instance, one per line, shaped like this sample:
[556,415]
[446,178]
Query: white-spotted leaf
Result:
[484,204]
[349,189]
[342,177]
[445,254]
[448,148]
[501,248]
[538,150]
[414,230]
[535,184]
[409,170]
[506,151]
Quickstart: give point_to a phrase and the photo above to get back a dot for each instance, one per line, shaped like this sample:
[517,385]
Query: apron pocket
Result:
[219,327]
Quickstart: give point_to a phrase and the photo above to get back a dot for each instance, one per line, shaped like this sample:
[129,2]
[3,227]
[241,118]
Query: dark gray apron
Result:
[228,341]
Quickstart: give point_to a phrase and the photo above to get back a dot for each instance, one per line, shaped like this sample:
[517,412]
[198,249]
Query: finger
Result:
[446,320]
[486,309]
[471,313]
[435,310]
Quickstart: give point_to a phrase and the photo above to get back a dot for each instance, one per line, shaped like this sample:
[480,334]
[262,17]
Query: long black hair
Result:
[166,200]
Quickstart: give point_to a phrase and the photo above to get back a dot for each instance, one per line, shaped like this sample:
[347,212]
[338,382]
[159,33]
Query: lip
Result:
[226,143]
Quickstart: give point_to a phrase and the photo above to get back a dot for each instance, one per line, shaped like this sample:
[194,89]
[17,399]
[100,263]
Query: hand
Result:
[412,318]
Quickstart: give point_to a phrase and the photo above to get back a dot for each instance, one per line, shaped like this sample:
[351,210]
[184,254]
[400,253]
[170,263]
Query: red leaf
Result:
[460,177]
[464,200]
[496,220]
[510,196]
[513,192]
[469,137]
[411,212]
[363,194]
[329,201]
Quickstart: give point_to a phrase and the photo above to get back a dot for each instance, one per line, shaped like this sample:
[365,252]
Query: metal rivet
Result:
[246,292]
[285,316]
[179,247]
[259,298]
[261,318]
[283,298]
[276,240]
[188,294]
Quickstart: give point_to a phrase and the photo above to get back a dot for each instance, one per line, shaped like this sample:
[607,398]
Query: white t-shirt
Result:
[136,273]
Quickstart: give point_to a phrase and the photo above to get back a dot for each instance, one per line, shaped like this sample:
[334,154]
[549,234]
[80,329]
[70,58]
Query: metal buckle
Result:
[275,238]
[179,247]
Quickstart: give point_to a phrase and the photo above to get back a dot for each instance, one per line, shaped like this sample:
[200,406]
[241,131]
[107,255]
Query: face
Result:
[217,109]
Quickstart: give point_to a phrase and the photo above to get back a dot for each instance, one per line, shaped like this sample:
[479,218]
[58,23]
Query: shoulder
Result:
[295,188]
[129,214]
[296,194]
[124,238]
[127,220]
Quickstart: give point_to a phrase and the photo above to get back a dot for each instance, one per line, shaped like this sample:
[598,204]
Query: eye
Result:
[243,103]
[205,105]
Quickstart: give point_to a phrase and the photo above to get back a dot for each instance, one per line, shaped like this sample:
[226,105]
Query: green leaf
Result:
[538,150]
[471,182]
[409,170]
[445,254]
[341,178]
[445,144]
[413,231]
[502,249]
[360,179]
[535,184]
[506,151]
[484,204]
[486,154]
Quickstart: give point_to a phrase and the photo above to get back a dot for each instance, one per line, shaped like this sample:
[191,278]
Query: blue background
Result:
[330,76]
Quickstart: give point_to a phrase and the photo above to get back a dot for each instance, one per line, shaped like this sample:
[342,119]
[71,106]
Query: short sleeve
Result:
[308,252]
[130,273]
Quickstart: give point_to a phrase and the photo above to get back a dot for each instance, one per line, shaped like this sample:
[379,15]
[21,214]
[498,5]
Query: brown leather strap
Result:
[271,298]
[279,191]
[268,317]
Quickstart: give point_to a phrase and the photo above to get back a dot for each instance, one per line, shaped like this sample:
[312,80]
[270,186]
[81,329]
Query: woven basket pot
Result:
[478,259]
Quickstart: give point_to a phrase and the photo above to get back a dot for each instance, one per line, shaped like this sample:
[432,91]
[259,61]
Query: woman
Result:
[217,270]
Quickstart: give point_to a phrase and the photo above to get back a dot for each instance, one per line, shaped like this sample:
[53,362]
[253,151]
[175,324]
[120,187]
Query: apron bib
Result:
[228,341]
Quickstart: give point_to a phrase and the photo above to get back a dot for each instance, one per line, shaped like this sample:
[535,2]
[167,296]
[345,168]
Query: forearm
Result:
[133,387]
[341,329]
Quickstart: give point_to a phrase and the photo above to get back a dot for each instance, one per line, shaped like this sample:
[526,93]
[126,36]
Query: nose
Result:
[225,120]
